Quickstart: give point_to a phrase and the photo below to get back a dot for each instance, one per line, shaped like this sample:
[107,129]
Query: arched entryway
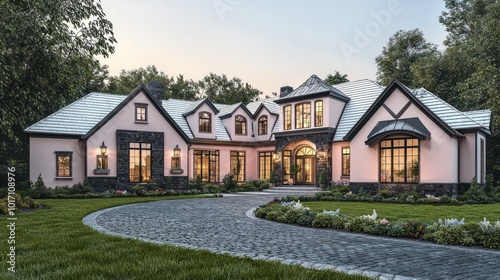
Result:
[305,160]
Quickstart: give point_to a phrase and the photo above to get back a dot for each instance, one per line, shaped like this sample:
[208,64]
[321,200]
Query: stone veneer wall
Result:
[323,139]
[436,189]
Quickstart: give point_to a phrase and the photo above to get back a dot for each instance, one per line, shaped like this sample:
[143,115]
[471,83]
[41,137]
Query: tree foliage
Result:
[337,78]
[220,89]
[404,49]
[48,51]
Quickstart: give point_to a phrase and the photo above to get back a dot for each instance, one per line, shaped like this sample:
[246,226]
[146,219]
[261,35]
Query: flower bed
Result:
[449,231]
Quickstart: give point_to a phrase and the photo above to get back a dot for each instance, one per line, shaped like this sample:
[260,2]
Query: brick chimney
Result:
[155,88]
[286,90]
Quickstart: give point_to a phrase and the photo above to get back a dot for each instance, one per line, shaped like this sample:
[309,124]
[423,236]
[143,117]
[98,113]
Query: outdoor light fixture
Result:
[177,151]
[277,157]
[103,148]
[322,153]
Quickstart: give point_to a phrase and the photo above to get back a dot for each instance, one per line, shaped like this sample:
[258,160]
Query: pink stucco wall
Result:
[43,160]
[480,137]
[229,123]
[271,120]
[334,112]
[468,158]
[337,161]
[438,156]
[125,120]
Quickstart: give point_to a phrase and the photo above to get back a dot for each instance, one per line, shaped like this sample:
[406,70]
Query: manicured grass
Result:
[53,243]
[411,212]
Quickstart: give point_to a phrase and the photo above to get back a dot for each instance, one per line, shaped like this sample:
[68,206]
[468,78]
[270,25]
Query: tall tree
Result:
[48,51]
[128,80]
[220,89]
[403,50]
[337,78]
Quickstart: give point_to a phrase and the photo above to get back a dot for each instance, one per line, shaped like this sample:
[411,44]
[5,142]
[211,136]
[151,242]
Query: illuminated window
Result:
[240,125]
[64,164]
[238,166]
[206,165]
[141,112]
[346,161]
[303,115]
[140,162]
[287,112]
[205,121]
[318,120]
[263,125]
[265,164]
[399,161]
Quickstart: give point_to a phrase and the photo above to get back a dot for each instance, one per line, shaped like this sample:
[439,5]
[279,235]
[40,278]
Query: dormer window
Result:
[205,121]
[141,112]
[303,115]
[240,125]
[287,112]
[263,125]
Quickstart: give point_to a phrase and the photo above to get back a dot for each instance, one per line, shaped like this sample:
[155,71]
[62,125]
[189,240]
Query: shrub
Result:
[453,235]
[265,185]
[306,219]
[415,230]
[322,220]
[248,186]
[168,183]
[272,179]
[292,216]
[212,188]
[229,182]
[490,240]
[390,230]
[20,203]
[138,190]
[385,193]
[357,224]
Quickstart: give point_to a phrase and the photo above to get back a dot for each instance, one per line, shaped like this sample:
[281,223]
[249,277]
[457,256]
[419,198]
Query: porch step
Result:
[294,189]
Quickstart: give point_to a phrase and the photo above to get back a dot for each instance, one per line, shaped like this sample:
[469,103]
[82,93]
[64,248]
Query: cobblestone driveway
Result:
[223,225]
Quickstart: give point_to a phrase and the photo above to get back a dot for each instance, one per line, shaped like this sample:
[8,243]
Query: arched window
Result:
[263,125]
[306,151]
[205,121]
[240,125]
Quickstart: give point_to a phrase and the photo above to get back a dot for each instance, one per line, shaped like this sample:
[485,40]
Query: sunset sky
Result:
[268,44]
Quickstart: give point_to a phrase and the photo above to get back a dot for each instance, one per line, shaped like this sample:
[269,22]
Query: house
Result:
[371,136]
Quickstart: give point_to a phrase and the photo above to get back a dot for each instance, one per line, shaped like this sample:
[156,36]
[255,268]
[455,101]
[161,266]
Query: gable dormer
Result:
[238,121]
[263,123]
[314,104]
[201,118]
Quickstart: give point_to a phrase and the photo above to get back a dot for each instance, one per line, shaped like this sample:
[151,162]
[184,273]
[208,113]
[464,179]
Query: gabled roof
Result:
[228,111]
[197,104]
[383,97]
[257,106]
[311,88]
[362,94]
[129,98]
[411,126]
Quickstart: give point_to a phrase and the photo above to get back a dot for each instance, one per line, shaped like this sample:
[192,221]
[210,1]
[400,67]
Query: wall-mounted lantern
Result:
[103,148]
[177,151]
[277,156]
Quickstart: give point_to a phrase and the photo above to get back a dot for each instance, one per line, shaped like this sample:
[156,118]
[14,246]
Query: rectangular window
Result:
[318,120]
[346,161]
[265,164]
[176,163]
[205,122]
[141,112]
[303,115]
[140,162]
[262,125]
[206,165]
[481,165]
[287,160]
[399,160]
[287,117]
[64,161]
[238,166]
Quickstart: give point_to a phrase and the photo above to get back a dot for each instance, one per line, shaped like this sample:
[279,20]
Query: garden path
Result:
[226,225]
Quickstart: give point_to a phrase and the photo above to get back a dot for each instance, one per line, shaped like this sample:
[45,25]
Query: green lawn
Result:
[53,243]
[418,213]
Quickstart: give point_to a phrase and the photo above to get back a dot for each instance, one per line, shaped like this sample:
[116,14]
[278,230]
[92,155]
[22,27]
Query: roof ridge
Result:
[445,103]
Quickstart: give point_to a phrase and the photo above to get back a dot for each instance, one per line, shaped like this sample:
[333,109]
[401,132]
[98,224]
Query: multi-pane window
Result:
[140,162]
[205,122]
[346,161]
[238,166]
[206,165]
[240,125]
[141,112]
[287,117]
[286,164]
[399,161]
[481,165]
[64,164]
[303,115]
[263,125]
[265,164]
[318,120]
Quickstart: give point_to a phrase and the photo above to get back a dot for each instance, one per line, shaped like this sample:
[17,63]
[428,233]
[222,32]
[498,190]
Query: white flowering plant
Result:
[331,212]
[451,222]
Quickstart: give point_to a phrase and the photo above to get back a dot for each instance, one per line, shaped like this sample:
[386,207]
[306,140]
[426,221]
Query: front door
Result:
[305,172]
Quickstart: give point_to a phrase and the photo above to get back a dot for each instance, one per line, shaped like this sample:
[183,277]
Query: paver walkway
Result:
[224,225]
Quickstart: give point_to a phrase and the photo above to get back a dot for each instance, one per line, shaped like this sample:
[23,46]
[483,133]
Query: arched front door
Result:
[305,159]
